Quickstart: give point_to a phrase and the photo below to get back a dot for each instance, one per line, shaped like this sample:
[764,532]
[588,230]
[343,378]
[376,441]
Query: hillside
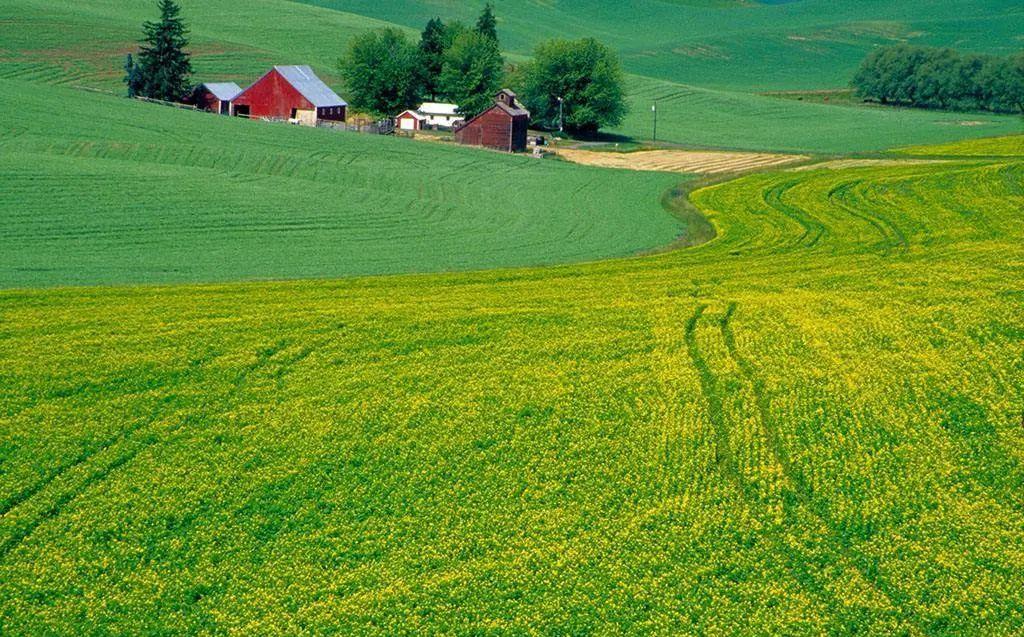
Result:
[809,425]
[257,379]
[745,45]
[117,191]
[703,62]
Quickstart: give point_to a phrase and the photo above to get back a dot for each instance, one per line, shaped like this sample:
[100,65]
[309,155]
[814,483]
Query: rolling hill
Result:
[703,62]
[809,425]
[118,191]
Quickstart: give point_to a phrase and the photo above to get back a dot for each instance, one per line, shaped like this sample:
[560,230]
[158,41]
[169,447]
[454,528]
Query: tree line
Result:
[578,83]
[942,78]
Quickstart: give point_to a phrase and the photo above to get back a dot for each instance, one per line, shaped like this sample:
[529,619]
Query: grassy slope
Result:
[737,45]
[84,43]
[116,191]
[810,424]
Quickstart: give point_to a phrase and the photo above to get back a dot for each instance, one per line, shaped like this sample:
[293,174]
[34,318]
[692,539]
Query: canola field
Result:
[810,424]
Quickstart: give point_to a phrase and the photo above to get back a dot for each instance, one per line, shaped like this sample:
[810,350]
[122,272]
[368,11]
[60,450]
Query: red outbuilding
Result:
[214,97]
[291,92]
[502,126]
[410,120]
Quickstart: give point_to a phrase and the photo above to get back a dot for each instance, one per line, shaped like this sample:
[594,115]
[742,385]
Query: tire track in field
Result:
[799,565]
[892,237]
[26,493]
[802,493]
[147,438]
[54,509]
[814,230]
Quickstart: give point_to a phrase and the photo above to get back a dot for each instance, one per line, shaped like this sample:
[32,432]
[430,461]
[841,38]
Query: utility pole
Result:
[561,115]
[654,109]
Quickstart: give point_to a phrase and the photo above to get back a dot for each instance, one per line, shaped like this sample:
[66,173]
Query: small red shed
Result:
[410,120]
[502,126]
[214,97]
[291,92]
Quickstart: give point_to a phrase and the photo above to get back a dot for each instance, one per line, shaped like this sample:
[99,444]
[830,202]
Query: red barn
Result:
[502,126]
[214,97]
[291,92]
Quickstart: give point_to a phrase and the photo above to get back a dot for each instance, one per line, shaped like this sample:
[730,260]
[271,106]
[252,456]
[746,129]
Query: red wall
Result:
[494,128]
[272,96]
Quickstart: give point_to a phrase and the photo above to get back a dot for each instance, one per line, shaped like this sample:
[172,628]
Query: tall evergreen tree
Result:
[132,76]
[164,66]
[431,53]
[487,25]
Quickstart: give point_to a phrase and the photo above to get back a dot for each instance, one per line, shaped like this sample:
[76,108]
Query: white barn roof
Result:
[438,108]
[224,91]
[312,88]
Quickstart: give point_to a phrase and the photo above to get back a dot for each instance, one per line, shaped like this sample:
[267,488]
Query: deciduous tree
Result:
[585,74]
[472,73]
[381,72]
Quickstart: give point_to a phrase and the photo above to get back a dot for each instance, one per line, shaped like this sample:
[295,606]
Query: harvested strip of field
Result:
[840,164]
[681,161]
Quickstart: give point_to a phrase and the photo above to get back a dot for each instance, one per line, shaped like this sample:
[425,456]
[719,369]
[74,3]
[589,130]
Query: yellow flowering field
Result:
[811,424]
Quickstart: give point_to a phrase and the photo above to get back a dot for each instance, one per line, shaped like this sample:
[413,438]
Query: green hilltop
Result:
[705,64]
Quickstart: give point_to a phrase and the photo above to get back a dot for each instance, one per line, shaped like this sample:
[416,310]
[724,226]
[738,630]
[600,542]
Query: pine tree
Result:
[487,25]
[132,76]
[164,65]
[431,53]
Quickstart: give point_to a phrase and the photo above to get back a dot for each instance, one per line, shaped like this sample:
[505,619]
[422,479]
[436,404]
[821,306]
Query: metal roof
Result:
[438,108]
[312,88]
[224,91]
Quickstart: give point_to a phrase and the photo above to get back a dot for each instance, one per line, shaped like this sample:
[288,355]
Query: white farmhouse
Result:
[438,115]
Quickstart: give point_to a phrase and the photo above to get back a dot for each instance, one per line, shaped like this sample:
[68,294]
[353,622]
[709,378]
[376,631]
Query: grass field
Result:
[811,424]
[115,191]
[703,63]
[741,45]
[737,120]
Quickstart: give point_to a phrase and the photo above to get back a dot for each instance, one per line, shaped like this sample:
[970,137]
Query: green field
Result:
[703,62]
[125,192]
[215,419]
[811,424]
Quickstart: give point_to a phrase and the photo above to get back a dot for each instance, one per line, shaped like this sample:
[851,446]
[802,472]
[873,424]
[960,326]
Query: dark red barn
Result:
[291,92]
[502,126]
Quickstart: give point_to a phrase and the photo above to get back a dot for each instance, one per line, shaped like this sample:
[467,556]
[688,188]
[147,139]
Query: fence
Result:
[380,127]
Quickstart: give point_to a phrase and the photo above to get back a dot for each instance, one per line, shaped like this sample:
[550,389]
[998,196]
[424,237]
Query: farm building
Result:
[439,115]
[502,126]
[214,97]
[410,120]
[294,93]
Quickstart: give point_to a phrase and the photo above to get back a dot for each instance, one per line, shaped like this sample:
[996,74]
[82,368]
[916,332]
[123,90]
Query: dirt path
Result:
[680,161]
